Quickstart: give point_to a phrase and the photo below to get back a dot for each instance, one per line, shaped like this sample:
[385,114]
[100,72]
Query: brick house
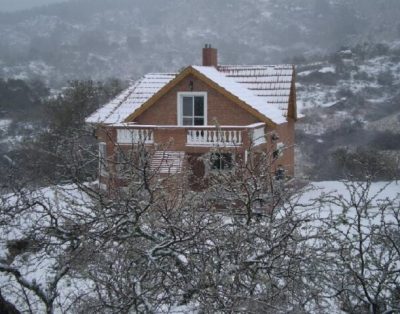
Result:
[234,107]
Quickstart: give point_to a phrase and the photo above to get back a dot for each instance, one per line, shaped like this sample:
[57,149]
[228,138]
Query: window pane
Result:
[187,121]
[215,161]
[221,161]
[198,121]
[187,106]
[121,158]
[226,161]
[199,106]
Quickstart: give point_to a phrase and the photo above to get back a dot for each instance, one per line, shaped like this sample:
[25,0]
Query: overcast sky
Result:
[15,5]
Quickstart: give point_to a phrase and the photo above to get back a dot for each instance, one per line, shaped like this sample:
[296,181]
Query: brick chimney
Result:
[210,56]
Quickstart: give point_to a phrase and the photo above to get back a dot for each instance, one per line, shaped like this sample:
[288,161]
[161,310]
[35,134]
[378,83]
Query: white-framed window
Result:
[192,108]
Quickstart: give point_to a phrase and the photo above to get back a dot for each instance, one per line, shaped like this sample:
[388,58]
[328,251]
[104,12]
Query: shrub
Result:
[364,163]
[344,93]
[362,76]
[327,78]
[385,78]
[386,141]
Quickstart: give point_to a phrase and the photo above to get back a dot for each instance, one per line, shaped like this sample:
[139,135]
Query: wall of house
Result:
[286,135]
[292,106]
[219,109]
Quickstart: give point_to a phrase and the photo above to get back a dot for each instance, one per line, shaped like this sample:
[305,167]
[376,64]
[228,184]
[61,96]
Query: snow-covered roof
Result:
[264,88]
[242,92]
[118,109]
[272,83]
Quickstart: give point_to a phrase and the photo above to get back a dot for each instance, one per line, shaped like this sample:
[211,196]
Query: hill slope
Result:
[124,38]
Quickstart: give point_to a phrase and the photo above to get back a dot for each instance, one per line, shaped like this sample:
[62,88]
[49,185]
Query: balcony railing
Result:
[217,137]
[203,136]
[135,136]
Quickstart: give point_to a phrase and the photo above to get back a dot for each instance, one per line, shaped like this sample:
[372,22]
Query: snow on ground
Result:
[329,199]
[328,69]
[390,123]
[39,267]
[381,190]
[12,140]
[4,124]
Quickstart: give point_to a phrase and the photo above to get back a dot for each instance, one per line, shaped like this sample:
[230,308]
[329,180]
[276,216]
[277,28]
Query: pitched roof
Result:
[272,83]
[265,89]
[118,109]
[243,93]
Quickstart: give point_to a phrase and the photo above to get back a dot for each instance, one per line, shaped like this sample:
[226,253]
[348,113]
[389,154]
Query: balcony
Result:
[135,135]
[211,136]
[191,136]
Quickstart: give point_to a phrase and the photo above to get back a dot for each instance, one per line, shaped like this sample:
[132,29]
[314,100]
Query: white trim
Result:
[180,96]
[154,126]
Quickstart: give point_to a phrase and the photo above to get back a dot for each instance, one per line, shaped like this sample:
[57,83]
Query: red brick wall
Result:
[286,135]
[224,111]
[210,57]
[177,139]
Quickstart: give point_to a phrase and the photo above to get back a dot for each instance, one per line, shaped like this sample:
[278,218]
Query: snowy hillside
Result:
[350,103]
[103,38]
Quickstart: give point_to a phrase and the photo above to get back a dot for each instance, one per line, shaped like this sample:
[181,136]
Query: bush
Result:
[362,76]
[386,141]
[385,78]
[364,163]
[344,93]
[328,78]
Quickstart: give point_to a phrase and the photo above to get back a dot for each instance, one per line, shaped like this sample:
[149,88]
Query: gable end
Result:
[190,70]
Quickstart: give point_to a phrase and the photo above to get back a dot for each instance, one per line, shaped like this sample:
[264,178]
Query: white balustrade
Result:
[217,137]
[135,136]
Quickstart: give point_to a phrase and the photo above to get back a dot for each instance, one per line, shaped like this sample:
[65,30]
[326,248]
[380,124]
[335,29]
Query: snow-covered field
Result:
[378,190]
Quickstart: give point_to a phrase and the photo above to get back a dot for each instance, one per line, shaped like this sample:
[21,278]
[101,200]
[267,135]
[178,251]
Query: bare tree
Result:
[245,242]
[359,252]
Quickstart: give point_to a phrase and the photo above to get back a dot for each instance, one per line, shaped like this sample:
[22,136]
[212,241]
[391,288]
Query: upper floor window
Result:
[192,108]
